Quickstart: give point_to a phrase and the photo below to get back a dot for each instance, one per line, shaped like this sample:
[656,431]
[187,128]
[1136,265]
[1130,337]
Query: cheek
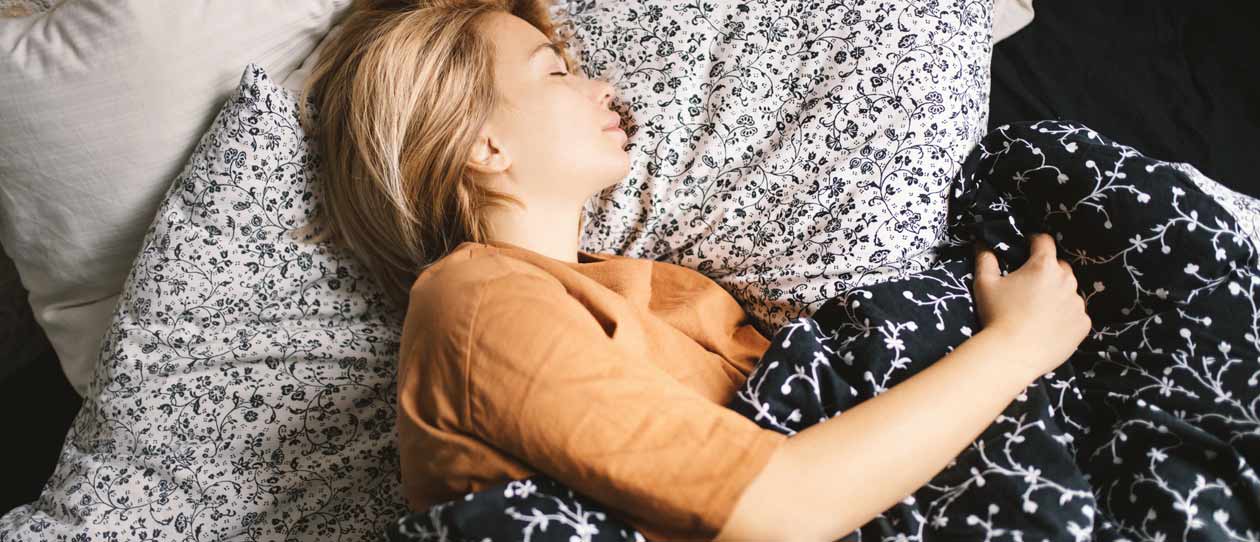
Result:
[534,130]
[557,136]
[562,126]
[551,115]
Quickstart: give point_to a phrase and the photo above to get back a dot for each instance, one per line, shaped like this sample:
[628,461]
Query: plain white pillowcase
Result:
[102,101]
[295,80]
[1009,16]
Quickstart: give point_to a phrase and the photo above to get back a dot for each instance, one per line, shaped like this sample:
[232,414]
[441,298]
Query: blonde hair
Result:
[401,91]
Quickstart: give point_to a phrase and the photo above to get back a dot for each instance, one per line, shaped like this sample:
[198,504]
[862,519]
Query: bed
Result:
[1177,92]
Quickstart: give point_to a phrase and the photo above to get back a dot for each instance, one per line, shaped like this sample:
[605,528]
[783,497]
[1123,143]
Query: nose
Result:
[603,92]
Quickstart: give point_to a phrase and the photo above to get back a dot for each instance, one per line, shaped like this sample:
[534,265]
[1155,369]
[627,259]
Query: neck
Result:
[548,228]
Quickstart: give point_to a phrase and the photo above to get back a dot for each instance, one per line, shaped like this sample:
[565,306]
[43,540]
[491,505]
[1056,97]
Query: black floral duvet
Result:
[1150,431]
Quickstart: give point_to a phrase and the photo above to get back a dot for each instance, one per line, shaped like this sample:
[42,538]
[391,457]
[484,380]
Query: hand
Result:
[1036,306]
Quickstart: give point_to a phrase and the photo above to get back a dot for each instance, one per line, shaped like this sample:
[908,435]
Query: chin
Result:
[611,182]
[621,174]
[613,179]
[623,165]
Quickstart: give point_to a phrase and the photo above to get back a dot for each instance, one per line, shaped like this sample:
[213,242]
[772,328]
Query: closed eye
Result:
[560,73]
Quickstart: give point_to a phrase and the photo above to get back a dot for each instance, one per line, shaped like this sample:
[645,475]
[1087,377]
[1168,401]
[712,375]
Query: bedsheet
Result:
[1149,431]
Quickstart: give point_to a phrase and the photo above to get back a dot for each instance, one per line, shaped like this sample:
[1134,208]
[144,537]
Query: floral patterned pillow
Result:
[789,150]
[245,389]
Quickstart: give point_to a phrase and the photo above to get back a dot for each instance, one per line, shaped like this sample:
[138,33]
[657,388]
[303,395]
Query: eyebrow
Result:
[548,45]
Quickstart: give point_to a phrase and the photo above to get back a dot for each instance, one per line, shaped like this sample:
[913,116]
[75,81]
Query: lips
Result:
[614,124]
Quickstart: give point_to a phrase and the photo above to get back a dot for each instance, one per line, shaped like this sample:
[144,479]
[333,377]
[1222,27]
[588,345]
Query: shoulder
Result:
[464,277]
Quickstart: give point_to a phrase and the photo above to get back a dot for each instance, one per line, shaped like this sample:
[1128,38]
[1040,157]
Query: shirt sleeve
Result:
[548,385]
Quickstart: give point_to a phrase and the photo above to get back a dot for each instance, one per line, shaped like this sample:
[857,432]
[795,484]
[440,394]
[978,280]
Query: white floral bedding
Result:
[790,150]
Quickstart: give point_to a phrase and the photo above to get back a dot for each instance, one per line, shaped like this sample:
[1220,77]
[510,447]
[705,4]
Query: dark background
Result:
[1175,79]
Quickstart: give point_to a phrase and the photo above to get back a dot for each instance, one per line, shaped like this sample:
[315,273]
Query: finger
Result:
[1042,246]
[1067,270]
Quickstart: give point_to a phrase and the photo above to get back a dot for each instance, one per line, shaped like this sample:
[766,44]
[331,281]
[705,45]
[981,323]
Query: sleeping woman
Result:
[460,142]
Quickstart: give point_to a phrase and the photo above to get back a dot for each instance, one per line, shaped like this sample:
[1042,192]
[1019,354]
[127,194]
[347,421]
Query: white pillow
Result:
[1009,16]
[295,80]
[788,150]
[102,102]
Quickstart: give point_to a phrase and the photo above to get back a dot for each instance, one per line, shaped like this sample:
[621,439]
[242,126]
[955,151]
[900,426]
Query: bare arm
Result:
[834,476]
[831,478]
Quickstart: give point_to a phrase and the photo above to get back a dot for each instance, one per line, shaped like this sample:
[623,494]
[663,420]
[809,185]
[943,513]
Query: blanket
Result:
[1149,431]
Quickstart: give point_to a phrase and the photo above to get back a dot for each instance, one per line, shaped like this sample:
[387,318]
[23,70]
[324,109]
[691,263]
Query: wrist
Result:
[1019,353]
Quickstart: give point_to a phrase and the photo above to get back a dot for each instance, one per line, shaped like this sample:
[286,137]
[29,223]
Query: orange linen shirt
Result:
[609,375]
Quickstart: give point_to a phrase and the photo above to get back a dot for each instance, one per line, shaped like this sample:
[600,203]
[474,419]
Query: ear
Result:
[488,155]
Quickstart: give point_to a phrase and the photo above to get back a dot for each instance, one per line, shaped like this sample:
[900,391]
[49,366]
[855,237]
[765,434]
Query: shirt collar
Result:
[583,256]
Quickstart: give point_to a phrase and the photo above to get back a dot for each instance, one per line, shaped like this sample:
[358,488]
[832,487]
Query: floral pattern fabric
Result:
[246,384]
[789,150]
[1149,431]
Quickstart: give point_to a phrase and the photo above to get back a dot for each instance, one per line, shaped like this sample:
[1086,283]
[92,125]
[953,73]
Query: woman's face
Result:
[553,132]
